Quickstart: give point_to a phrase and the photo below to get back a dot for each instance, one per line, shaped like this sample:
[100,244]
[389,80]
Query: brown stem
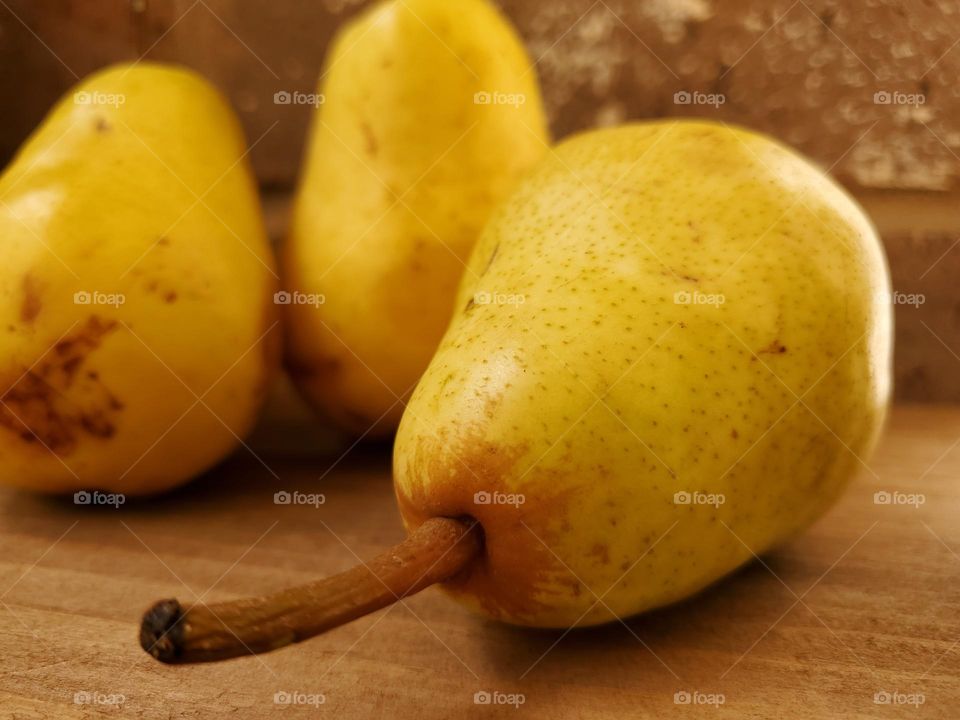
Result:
[436,551]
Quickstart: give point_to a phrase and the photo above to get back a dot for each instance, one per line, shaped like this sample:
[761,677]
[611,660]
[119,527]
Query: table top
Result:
[860,608]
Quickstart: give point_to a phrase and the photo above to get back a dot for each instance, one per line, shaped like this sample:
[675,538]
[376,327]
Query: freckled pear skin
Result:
[701,313]
[402,172]
[135,187]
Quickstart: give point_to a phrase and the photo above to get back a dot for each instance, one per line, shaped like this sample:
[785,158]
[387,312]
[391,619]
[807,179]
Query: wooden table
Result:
[864,603]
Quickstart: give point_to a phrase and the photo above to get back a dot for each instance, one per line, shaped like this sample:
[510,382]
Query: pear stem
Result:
[436,551]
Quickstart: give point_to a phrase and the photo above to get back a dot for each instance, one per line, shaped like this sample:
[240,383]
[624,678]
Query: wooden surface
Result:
[865,602]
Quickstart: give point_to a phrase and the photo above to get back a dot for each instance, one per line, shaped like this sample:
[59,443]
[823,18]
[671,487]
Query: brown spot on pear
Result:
[31,304]
[42,407]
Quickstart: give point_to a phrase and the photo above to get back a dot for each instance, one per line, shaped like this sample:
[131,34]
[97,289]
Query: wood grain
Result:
[864,602]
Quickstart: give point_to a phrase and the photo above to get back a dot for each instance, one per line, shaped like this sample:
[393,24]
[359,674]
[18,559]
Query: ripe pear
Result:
[136,288]
[671,351]
[430,114]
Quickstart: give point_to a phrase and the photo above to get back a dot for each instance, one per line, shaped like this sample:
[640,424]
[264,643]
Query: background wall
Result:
[865,87]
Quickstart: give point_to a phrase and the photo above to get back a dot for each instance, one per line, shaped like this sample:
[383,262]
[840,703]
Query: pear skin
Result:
[670,352]
[137,324]
[430,115]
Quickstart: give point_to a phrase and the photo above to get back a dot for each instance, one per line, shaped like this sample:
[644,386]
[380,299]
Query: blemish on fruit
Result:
[601,552]
[774,348]
[370,141]
[30,305]
[493,257]
[51,404]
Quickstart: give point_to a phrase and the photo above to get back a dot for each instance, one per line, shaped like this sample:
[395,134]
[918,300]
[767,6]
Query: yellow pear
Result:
[671,351]
[428,113]
[136,291]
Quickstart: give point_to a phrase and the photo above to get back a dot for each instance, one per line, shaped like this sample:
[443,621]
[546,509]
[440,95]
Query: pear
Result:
[136,292]
[428,113]
[671,352]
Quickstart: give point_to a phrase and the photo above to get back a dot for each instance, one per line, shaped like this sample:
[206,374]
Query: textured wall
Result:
[806,71]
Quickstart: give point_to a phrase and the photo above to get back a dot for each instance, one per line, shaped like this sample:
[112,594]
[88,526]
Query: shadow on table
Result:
[238,481]
[689,641]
